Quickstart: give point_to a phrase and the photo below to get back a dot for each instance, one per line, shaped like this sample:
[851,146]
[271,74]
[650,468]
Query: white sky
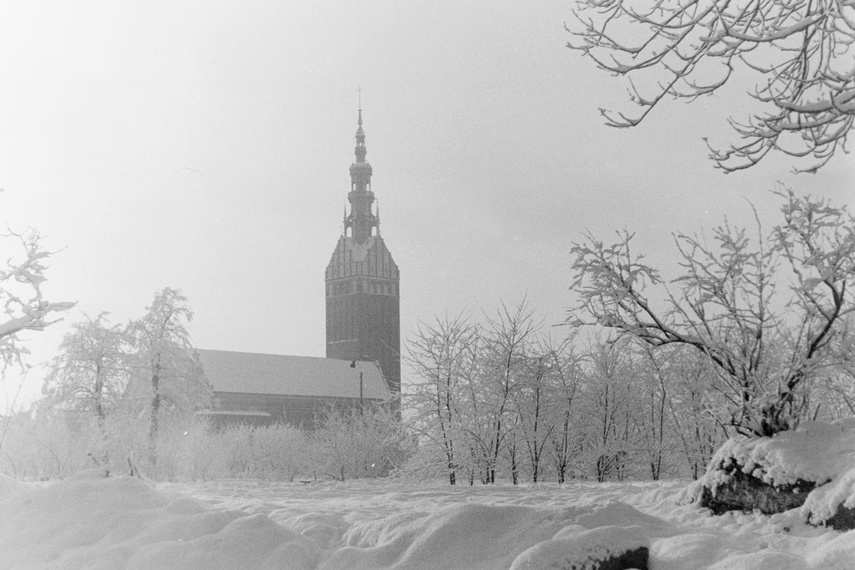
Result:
[205,146]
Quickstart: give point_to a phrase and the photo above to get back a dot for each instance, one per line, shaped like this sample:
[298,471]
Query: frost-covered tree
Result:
[609,395]
[90,373]
[678,418]
[543,405]
[696,415]
[655,380]
[531,411]
[799,53]
[765,313]
[833,396]
[507,341]
[24,307]
[565,376]
[492,399]
[168,372]
[442,357]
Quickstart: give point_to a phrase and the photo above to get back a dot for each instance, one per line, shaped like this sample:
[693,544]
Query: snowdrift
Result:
[93,521]
[96,522]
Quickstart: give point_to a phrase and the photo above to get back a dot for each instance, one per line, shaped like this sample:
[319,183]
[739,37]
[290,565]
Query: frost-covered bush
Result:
[187,449]
[39,446]
[280,452]
[36,449]
[357,444]
[237,450]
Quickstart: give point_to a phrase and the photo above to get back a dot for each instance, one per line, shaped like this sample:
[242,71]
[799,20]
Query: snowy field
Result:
[88,521]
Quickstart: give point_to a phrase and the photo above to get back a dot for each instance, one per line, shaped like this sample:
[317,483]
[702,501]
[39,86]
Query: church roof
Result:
[252,373]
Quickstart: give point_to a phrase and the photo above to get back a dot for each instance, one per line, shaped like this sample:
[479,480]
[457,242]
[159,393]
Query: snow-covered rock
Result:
[811,467]
[578,548]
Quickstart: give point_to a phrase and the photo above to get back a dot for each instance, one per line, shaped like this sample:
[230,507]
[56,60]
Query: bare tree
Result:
[477,416]
[566,438]
[23,303]
[694,411]
[507,342]
[608,409]
[543,404]
[655,383]
[766,346]
[531,404]
[799,52]
[440,355]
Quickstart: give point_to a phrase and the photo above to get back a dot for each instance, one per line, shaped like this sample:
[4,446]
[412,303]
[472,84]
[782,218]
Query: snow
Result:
[8,485]
[580,548]
[93,521]
[815,451]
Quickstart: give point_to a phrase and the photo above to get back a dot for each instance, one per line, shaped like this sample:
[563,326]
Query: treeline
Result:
[126,397]
[348,444]
[109,392]
[505,399]
[508,398]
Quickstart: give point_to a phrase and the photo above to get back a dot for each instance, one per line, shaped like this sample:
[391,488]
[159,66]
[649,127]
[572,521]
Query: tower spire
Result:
[361,220]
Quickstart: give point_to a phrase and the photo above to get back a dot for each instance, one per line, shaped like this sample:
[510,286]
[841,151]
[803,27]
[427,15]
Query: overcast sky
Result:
[205,146]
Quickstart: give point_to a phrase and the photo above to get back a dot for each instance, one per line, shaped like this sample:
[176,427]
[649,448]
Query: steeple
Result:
[363,283]
[361,220]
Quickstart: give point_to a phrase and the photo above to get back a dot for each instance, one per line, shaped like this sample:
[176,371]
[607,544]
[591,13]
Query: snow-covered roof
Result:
[252,373]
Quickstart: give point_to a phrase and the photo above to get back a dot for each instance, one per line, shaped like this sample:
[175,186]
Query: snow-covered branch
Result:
[766,341]
[800,51]
[24,307]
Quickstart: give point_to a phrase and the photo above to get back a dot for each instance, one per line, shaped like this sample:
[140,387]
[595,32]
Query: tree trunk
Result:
[515,475]
[155,409]
[99,389]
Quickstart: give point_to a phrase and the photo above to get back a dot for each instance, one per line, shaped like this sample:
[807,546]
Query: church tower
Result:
[363,303]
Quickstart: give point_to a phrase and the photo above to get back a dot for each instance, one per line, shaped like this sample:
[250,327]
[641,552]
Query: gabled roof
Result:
[252,373]
[371,258]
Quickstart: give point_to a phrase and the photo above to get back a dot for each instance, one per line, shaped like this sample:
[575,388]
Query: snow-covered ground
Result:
[89,521]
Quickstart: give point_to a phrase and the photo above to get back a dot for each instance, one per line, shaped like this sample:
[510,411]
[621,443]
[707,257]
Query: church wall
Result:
[299,411]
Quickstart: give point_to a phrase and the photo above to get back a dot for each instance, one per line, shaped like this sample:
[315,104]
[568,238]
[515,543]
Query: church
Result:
[363,333]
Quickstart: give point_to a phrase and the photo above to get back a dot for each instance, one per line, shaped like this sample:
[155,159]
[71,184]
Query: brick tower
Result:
[363,303]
